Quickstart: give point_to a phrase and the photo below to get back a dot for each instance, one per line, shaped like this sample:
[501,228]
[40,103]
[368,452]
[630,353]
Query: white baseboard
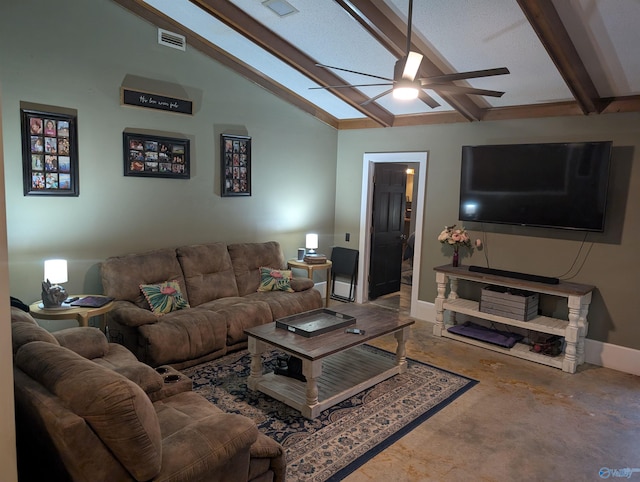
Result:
[606,355]
[342,289]
[611,356]
[321,287]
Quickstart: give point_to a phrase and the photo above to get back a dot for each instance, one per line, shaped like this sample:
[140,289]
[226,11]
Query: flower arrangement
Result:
[455,237]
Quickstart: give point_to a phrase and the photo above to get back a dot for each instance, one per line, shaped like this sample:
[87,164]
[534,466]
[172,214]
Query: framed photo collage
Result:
[50,154]
[155,156]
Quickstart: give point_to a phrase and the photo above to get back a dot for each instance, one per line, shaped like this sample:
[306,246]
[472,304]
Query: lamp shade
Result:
[55,270]
[312,241]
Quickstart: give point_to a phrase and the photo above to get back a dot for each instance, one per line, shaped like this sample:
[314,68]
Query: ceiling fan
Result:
[406,86]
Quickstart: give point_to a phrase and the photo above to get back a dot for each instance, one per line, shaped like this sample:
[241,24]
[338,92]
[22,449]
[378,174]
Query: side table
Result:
[79,313]
[310,268]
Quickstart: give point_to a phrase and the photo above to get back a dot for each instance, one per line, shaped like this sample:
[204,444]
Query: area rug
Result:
[343,437]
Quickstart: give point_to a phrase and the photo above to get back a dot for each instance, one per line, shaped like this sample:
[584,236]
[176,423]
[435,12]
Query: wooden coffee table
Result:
[335,364]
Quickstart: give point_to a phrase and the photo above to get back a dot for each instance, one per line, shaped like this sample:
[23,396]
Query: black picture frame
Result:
[147,155]
[49,153]
[235,165]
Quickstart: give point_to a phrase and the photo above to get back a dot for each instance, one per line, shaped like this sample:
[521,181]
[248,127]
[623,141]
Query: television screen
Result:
[559,185]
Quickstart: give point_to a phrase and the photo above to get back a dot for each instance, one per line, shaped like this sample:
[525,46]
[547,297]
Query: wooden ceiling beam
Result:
[544,18]
[238,20]
[391,32]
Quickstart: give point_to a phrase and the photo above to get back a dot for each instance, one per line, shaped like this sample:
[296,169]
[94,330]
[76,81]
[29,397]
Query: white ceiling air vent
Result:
[170,39]
[281,8]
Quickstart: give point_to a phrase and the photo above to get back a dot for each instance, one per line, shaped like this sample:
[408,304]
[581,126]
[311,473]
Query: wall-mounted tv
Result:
[559,185]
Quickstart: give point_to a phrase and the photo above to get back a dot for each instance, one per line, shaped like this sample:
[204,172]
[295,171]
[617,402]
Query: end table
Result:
[79,313]
[310,268]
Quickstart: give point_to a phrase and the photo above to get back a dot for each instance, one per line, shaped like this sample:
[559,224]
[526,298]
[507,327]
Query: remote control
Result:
[357,331]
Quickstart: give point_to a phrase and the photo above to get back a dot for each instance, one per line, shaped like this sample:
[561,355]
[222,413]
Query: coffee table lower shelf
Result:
[344,374]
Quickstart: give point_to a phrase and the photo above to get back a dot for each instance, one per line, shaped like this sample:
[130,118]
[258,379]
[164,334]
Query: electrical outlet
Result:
[347,237]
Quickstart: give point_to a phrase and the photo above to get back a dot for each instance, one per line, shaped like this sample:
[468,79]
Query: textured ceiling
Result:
[565,57]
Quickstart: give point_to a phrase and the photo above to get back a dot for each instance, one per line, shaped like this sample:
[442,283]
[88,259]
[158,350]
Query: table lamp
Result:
[55,272]
[311,243]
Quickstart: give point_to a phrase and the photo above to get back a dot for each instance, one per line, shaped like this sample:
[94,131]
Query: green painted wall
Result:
[609,260]
[77,54]
[306,176]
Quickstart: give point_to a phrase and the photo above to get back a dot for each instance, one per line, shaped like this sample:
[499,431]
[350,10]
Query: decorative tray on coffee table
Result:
[316,322]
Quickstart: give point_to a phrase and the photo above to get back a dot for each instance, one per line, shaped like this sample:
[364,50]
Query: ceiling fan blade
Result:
[427,99]
[377,97]
[459,89]
[353,72]
[465,75]
[350,85]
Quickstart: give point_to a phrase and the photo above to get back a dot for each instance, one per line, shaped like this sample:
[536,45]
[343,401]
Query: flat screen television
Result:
[558,185]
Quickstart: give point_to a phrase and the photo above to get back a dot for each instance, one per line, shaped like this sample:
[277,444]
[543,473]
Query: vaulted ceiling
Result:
[565,57]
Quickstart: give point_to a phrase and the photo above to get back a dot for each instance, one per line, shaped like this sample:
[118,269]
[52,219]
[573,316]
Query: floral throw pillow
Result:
[275,280]
[164,297]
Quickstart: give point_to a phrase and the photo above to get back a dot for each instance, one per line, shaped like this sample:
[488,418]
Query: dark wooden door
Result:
[389,200]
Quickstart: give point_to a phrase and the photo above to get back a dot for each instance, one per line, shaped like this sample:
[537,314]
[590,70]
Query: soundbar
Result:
[514,274]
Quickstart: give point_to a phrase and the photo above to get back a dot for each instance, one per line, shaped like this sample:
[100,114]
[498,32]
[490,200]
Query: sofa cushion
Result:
[198,438]
[88,342]
[183,335]
[239,314]
[117,409]
[23,332]
[164,297]
[208,272]
[123,275]
[247,258]
[272,279]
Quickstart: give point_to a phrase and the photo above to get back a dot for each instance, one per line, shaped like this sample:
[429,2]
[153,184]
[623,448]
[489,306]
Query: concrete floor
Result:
[522,422]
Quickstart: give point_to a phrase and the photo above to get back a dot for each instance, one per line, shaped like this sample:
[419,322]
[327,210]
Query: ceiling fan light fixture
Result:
[411,65]
[406,90]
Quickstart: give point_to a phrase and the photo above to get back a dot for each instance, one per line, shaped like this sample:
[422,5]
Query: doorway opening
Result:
[418,162]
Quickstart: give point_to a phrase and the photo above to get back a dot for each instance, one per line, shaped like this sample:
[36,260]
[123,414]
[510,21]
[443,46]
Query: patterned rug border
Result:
[211,379]
[363,459]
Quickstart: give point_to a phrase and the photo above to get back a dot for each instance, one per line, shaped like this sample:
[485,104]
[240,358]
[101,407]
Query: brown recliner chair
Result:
[89,411]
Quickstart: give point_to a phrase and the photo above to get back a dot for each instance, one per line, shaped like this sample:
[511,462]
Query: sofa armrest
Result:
[87,342]
[301,284]
[204,448]
[267,452]
[142,375]
[128,314]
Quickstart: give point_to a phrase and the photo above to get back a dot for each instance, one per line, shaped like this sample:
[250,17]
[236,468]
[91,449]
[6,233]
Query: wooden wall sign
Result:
[154,101]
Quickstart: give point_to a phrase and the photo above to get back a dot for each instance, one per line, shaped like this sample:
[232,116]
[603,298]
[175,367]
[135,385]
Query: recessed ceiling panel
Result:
[607,38]
[228,40]
[455,36]
[476,35]
[325,32]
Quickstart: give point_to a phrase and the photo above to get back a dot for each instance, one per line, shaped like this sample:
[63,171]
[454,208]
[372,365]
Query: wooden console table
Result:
[574,330]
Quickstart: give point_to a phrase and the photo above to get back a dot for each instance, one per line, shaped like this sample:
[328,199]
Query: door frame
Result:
[366,205]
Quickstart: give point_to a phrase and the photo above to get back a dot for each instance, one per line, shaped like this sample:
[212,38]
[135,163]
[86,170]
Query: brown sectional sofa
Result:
[219,281]
[88,410]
